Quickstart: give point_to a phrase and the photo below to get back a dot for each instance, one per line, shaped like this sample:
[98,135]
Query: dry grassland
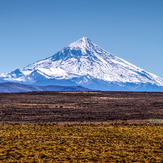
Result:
[81,143]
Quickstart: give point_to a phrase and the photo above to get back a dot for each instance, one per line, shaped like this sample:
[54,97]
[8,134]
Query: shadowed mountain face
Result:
[83,63]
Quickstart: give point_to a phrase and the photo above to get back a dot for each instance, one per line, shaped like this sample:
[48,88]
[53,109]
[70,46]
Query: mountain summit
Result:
[86,64]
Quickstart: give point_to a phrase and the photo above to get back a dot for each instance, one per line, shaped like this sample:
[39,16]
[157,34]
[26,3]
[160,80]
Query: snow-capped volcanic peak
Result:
[81,62]
[82,43]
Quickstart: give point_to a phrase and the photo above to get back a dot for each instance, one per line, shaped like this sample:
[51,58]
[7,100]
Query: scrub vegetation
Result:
[81,143]
[38,127]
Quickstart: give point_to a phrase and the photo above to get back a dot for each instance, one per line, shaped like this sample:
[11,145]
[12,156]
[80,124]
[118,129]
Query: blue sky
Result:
[31,30]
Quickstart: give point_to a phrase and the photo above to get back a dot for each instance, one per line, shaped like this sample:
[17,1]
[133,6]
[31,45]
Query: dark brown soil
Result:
[80,107]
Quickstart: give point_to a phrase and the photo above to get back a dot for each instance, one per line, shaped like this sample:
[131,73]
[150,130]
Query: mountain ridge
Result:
[10,87]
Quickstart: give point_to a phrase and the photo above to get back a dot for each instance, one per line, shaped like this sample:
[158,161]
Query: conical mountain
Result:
[86,64]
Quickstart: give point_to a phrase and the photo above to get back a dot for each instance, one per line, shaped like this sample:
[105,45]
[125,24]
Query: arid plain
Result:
[81,127]
[81,107]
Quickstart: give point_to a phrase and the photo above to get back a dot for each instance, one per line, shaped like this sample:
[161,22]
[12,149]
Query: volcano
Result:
[83,63]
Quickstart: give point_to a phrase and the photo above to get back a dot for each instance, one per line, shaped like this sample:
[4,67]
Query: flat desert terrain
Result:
[81,107]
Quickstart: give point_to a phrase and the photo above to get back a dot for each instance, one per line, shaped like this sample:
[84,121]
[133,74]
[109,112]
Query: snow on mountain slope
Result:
[82,62]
